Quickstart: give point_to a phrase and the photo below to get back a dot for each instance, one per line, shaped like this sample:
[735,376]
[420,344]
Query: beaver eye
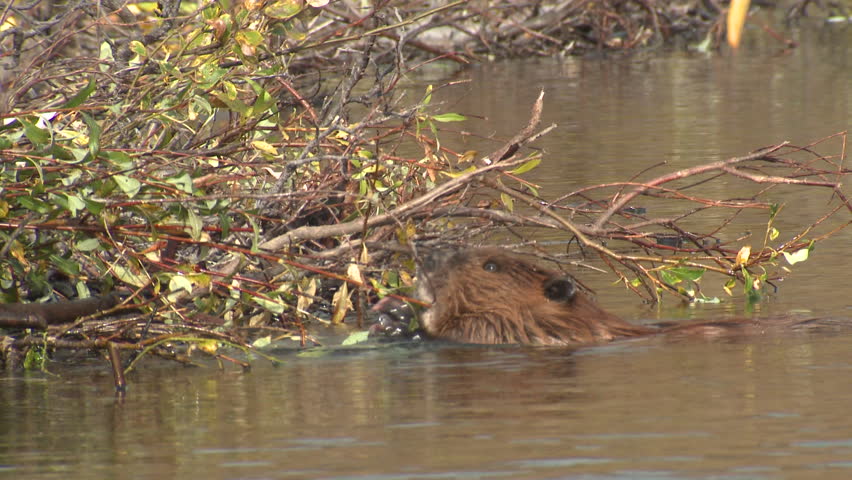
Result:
[490,266]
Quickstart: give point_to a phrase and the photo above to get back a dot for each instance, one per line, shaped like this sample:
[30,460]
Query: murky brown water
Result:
[774,406]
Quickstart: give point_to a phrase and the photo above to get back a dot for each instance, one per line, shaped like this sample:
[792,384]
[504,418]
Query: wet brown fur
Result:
[489,296]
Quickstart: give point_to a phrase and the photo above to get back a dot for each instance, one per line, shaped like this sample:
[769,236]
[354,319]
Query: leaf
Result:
[306,297]
[467,157]
[356,337]
[195,224]
[88,244]
[128,277]
[265,147]
[283,9]
[138,48]
[773,210]
[66,266]
[691,274]
[340,303]
[354,273]
[180,282]
[94,207]
[526,167]
[269,305]
[74,204]
[232,102]
[208,346]
[33,204]
[797,256]
[508,202]
[128,185]
[773,233]
[81,96]
[262,342]
[94,134]
[428,98]
[742,256]
[459,174]
[668,278]
[449,117]
[182,181]
[38,136]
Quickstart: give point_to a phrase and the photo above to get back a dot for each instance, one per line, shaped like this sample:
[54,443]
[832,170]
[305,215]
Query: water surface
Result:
[767,406]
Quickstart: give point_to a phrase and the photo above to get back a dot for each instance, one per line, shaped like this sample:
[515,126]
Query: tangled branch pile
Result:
[224,171]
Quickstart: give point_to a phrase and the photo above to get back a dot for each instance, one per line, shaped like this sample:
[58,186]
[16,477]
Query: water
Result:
[762,407]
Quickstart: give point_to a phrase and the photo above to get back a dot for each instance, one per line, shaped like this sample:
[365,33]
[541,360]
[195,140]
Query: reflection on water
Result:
[772,406]
[745,408]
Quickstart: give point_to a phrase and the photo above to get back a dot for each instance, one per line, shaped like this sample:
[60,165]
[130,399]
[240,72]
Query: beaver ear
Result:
[560,289]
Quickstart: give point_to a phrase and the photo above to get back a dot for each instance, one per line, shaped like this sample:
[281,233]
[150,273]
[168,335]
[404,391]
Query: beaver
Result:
[490,296]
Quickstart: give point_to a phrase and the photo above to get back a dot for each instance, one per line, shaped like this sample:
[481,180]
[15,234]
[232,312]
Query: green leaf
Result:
[428,98]
[797,256]
[81,96]
[94,207]
[94,134]
[182,181]
[128,277]
[773,210]
[262,342]
[232,103]
[526,167]
[72,203]
[449,117]
[225,223]
[508,202]
[669,278]
[180,282]
[195,224]
[34,204]
[272,306]
[773,233]
[120,159]
[283,9]
[88,244]
[459,174]
[65,265]
[356,337]
[249,37]
[128,185]
[37,135]
[138,48]
[687,273]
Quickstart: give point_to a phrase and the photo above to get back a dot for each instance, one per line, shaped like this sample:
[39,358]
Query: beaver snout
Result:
[560,289]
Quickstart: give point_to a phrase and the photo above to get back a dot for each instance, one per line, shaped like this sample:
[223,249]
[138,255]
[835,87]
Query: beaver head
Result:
[486,295]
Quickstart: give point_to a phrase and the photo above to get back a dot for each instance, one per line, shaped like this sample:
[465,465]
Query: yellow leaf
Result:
[354,273]
[742,256]
[340,304]
[264,147]
[307,298]
[467,156]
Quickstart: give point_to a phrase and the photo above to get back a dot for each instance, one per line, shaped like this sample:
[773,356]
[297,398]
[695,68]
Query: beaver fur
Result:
[490,296]
[487,295]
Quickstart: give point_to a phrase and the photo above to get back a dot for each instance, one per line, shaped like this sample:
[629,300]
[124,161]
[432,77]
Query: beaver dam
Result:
[229,177]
